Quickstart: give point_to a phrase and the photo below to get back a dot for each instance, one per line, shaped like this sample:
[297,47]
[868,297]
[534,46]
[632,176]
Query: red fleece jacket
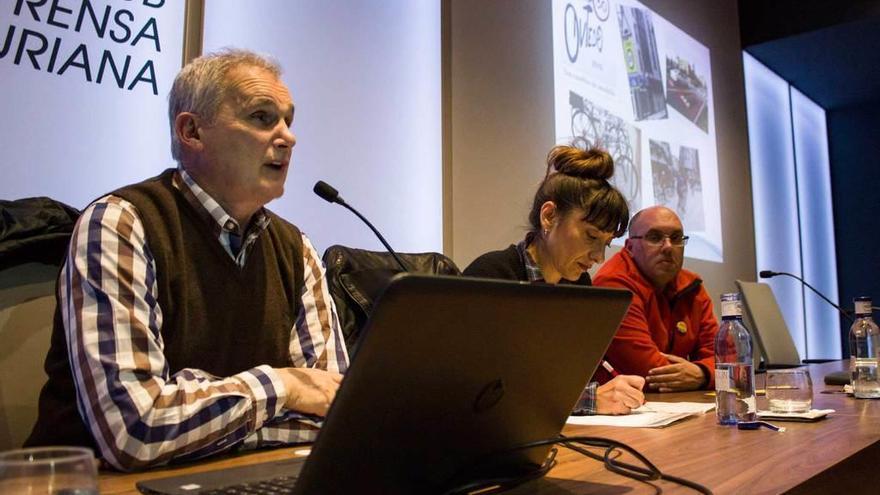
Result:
[677,321]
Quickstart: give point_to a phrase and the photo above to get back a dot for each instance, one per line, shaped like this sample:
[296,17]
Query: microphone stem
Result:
[384,242]
[844,313]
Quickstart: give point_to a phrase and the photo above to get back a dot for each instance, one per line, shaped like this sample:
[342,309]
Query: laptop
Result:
[452,375]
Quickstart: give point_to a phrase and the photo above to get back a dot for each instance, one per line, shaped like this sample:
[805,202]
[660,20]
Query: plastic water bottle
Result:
[734,372]
[864,350]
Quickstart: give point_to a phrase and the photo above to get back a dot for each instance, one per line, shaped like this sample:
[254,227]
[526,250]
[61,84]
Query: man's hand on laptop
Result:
[309,390]
[620,395]
[679,375]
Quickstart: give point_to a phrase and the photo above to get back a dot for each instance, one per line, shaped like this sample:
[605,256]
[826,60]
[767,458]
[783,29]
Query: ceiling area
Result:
[830,53]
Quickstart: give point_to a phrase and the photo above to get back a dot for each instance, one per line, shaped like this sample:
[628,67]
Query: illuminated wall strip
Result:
[818,254]
[774,190]
[791,201]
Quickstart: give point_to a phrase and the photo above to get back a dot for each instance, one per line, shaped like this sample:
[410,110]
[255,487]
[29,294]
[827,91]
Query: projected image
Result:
[643,93]
[593,126]
[642,63]
[686,91]
[677,183]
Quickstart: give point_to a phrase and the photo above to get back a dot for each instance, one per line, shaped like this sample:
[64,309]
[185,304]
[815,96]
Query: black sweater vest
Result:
[216,316]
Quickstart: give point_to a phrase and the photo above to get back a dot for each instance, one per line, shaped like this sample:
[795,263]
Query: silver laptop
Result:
[452,376]
[764,318]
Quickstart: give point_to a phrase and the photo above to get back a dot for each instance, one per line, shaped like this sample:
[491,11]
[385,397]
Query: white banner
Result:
[84,98]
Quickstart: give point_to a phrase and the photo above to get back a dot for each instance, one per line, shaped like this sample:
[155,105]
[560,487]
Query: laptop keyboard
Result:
[276,486]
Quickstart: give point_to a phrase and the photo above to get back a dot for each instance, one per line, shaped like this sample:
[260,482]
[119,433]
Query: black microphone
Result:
[769,274]
[327,192]
[331,195]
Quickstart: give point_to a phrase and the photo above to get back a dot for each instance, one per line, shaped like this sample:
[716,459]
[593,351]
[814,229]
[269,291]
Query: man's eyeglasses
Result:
[656,238]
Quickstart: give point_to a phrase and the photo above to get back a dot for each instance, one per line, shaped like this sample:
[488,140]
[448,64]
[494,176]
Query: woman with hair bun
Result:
[575,214]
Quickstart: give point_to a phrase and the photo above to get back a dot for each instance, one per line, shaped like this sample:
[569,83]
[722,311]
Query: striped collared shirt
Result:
[587,403]
[119,357]
[533,271]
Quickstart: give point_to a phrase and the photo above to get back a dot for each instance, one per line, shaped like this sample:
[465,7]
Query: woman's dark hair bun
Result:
[578,179]
[590,164]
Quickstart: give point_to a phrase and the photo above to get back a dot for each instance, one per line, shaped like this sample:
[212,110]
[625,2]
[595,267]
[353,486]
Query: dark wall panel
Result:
[854,142]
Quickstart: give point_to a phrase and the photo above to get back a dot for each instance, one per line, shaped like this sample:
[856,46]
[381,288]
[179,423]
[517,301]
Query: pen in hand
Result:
[609,368]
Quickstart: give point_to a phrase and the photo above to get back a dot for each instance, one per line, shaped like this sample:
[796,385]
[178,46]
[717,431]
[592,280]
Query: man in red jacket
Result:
[668,333]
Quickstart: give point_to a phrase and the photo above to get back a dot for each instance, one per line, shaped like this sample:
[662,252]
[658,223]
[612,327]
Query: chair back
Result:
[27,307]
[356,278]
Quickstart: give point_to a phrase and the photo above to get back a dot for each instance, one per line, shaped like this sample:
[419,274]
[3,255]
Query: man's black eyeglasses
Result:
[655,238]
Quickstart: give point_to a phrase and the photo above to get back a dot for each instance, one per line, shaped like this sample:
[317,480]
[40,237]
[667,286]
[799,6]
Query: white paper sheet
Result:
[650,415]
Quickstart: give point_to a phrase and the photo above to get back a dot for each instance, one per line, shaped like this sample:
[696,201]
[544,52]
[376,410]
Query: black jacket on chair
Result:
[357,277]
[34,230]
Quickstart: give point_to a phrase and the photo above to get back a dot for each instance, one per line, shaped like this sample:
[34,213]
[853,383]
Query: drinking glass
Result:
[789,391]
[48,471]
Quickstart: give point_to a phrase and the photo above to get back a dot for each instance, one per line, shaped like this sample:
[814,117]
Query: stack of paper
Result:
[650,415]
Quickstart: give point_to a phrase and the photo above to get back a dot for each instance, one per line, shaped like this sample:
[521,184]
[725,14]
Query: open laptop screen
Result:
[454,369]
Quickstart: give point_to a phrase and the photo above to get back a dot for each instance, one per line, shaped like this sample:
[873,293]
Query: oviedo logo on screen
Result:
[107,43]
[583,26]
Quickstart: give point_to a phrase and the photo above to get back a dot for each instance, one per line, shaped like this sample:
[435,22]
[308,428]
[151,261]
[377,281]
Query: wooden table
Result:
[840,454]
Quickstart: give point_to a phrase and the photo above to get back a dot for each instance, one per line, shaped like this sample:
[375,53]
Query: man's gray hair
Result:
[201,85]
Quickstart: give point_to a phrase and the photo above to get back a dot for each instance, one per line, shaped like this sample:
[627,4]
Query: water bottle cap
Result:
[862,305]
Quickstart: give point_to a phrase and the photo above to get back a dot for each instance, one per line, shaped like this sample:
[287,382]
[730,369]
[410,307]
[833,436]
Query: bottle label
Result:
[863,307]
[731,308]
[722,380]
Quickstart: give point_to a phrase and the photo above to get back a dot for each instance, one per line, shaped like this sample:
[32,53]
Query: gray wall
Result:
[502,119]
[501,124]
